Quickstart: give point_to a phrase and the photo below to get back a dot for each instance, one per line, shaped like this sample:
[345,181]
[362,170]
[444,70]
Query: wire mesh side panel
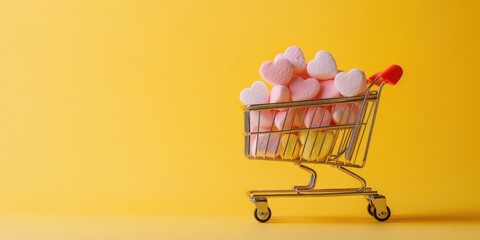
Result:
[312,133]
[358,143]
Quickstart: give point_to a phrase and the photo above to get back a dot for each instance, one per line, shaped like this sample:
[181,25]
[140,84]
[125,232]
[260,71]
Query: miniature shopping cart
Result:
[335,131]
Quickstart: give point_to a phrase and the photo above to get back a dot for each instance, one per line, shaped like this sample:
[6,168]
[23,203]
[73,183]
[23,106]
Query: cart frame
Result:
[345,155]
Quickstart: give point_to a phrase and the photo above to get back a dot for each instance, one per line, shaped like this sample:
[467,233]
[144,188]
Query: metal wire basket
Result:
[335,131]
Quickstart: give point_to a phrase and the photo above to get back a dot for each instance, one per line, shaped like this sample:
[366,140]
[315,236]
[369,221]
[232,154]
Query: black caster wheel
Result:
[370,209]
[262,217]
[381,216]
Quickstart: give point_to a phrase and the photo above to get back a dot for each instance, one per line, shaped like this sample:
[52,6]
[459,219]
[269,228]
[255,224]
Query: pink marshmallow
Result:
[323,66]
[265,145]
[295,55]
[345,113]
[317,117]
[328,90]
[303,75]
[352,83]
[256,94]
[265,117]
[278,72]
[291,121]
[304,89]
[279,93]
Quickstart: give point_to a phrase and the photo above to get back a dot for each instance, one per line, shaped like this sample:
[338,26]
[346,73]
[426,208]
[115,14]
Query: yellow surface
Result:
[131,107]
[212,228]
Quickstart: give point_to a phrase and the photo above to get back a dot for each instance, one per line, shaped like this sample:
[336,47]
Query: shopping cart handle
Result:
[390,75]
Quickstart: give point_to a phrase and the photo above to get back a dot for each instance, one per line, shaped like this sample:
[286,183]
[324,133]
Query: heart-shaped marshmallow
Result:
[290,119]
[256,94]
[323,66]
[290,146]
[295,55]
[261,119]
[317,117]
[278,72]
[304,89]
[266,145]
[303,75]
[279,93]
[352,83]
[345,113]
[317,145]
[328,90]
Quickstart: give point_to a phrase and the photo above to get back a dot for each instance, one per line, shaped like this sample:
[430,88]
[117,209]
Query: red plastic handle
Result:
[390,75]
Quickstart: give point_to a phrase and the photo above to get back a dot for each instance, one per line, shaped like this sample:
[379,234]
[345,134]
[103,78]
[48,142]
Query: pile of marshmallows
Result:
[293,79]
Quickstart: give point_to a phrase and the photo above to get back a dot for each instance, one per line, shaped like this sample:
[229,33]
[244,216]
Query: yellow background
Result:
[132,107]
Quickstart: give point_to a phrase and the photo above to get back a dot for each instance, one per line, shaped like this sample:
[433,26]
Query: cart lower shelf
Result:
[377,204]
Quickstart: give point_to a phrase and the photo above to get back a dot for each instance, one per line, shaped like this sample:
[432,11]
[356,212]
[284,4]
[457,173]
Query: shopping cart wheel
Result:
[370,209]
[381,215]
[262,216]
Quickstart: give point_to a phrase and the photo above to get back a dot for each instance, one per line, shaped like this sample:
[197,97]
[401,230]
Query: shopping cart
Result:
[305,132]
